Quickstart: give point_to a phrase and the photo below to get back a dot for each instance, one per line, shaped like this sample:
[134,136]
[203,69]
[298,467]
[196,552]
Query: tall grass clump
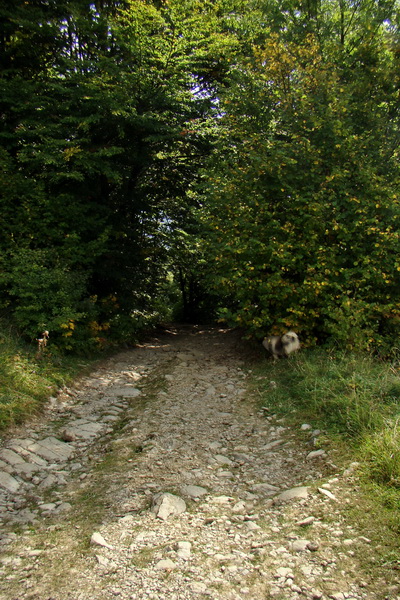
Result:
[26,381]
[355,397]
[381,451]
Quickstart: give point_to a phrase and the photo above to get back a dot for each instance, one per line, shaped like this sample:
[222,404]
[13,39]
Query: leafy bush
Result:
[46,294]
[301,199]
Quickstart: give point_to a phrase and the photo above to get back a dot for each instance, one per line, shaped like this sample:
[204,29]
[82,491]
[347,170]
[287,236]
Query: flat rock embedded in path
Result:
[194,491]
[125,391]
[52,449]
[166,505]
[293,494]
[82,428]
[8,482]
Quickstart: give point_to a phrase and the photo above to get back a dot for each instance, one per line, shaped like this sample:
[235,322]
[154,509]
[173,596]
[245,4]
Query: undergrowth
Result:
[355,398]
[26,380]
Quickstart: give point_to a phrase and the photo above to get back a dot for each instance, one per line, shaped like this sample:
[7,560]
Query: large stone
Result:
[165,565]
[327,493]
[125,391]
[26,470]
[83,429]
[8,482]
[52,449]
[293,494]
[17,464]
[300,545]
[194,491]
[11,457]
[166,505]
[264,489]
[183,550]
[98,540]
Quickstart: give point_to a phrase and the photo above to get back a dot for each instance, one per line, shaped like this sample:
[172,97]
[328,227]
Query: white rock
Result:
[198,588]
[251,526]
[102,560]
[165,564]
[283,572]
[316,454]
[98,540]
[294,493]
[300,545]
[327,493]
[184,550]
[194,491]
[165,505]
[306,521]
[239,507]
[222,499]
[348,542]
[47,507]
[225,473]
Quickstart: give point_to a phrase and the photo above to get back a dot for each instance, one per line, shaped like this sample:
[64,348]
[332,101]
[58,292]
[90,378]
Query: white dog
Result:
[282,345]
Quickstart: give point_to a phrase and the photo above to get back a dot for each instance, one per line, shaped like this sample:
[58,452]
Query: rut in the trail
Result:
[173,416]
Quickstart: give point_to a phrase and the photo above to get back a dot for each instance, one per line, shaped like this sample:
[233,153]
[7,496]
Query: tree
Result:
[303,217]
[99,106]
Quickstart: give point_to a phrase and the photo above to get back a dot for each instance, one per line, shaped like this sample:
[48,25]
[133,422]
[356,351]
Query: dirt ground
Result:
[171,483]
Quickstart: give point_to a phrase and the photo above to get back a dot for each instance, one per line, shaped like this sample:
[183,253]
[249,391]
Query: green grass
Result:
[355,398]
[26,382]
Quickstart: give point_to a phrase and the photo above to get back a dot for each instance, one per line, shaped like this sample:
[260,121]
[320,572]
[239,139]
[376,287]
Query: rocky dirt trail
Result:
[157,477]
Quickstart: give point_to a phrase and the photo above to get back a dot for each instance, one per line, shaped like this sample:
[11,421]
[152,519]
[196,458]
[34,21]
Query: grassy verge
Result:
[26,382]
[353,399]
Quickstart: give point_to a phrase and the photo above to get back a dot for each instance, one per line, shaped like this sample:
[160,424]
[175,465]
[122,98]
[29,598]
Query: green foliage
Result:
[302,191]
[46,293]
[26,382]
[98,109]
[130,126]
[351,396]
[382,453]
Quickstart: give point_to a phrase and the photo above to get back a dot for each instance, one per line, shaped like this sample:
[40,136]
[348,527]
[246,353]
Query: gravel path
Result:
[157,477]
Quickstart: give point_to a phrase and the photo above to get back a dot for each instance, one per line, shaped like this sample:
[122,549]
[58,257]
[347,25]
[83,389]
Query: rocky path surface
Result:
[157,478]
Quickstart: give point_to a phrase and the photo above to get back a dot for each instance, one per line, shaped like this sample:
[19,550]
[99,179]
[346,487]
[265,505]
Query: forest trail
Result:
[157,477]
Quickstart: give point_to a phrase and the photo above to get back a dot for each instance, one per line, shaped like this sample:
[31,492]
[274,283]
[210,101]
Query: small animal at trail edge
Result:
[280,346]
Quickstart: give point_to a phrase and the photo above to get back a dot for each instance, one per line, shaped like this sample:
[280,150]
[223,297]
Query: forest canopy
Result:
[185,158]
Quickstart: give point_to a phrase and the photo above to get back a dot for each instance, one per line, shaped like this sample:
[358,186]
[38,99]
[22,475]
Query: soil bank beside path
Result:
[157,477]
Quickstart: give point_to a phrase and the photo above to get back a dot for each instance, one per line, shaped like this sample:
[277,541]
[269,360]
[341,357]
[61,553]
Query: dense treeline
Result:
[240,155]
[94,99]
[303,204]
